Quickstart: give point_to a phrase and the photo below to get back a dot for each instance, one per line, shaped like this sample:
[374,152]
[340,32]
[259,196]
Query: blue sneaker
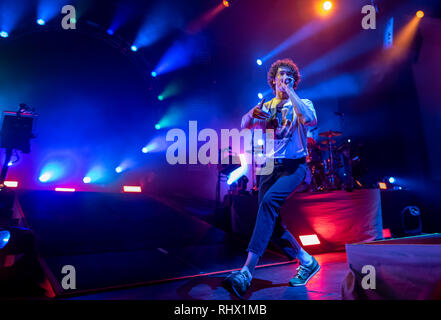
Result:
[237,283]
[304,273]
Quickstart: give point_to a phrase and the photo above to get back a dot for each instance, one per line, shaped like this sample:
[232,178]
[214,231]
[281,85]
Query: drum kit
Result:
[330,166]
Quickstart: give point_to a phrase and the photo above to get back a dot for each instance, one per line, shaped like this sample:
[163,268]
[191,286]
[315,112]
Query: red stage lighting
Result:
[309,240]
[132,188]
[386,233]
[226,3]
[420,14]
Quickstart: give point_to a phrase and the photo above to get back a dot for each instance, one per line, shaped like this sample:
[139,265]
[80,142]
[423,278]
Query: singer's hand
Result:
[285,87]
[258,113]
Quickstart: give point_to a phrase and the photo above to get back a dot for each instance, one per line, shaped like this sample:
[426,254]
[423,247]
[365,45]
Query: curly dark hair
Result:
[283,63]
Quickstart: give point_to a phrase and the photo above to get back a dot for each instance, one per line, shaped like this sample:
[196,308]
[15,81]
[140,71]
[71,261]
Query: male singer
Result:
[289,116]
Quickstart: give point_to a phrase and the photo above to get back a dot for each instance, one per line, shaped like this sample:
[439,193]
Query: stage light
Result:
[259,62]
[391,180]
[150,147]
[420,14]
[157,126]
[260,142]
[203,20]
[110,32]
[160,98]
[327,5]
[65,189]
[260,95]
[41,22]
[172,89]
[118,169]
[45,177]
[10,164]
[132,189]
[11,184]
[239,172]
[154,74]
[183,52]
[156,24]
[53,171]
[134,48]
[309,240]
[5,235]
[386,233]
[382,185]
[95,174]
[402,42]
[4,34]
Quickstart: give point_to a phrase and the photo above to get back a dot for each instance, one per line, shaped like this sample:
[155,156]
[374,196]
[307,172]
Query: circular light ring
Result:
[327,5]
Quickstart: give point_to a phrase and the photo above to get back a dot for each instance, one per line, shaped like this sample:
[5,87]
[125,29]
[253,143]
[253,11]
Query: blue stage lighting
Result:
[182,53]
[157,24]
[347,85]
[95,174]
[259,62]
[110,31]
[392,180]
[53,171]
[157,126]
[260,95]
[45,177]
[4,34]
[134,48]
[154,74]
[118,169]
[150,147]
[47,10]
[239,172]
[5,235]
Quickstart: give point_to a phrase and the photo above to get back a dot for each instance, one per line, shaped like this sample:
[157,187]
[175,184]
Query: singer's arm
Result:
[247,121]
[255,118]
[305,114]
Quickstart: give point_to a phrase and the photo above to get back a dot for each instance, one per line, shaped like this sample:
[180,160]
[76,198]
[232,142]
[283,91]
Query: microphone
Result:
[288,81]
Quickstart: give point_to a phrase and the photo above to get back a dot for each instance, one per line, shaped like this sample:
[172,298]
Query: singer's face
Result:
[284,73]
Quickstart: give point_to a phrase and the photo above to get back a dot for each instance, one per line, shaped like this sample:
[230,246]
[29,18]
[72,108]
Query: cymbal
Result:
[330,134]
[327,141]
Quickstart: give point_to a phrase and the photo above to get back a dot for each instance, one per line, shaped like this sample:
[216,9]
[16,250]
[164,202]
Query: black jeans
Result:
[274,189]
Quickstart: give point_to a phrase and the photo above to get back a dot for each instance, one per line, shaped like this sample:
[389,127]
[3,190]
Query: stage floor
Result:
[269,283]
